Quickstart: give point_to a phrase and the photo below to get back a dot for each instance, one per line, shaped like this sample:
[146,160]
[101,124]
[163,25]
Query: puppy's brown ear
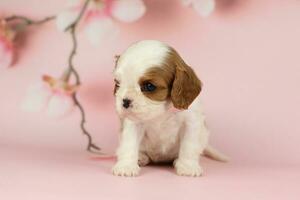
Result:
[186,85]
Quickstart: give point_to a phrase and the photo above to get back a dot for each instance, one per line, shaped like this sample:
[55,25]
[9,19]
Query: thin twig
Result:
[71,70]
[72,28]
[29,21]
[90,146]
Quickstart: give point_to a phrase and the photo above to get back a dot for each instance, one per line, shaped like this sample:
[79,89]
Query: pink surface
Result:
[247,55]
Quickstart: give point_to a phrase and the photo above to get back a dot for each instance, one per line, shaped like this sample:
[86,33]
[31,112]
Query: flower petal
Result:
[100,29]
[128,10]
[74,3]
[204,7]
[36,98]
[187,2]
[59,105]
[66,18]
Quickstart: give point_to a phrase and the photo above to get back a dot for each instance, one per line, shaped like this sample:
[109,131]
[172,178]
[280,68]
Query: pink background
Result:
[247,55]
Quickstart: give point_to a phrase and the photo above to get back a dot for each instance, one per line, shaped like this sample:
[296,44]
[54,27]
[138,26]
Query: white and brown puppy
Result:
[150,79]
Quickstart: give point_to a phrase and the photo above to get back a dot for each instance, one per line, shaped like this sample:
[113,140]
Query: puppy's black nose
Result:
[126,103]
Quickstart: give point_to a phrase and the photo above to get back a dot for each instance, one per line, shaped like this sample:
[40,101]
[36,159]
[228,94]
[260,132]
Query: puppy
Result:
[151,79]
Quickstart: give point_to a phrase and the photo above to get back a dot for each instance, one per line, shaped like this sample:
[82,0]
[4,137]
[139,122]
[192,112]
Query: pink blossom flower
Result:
[99,17]
[6,45]
[54,96]
[203,7]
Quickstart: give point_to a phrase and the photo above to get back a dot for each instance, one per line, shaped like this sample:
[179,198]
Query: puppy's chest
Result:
[161,140]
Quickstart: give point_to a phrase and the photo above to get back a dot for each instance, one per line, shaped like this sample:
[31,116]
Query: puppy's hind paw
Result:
[143,159]
[126,169]
[188,168]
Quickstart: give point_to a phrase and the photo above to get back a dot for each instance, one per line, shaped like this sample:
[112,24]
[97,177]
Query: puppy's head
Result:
[149,77]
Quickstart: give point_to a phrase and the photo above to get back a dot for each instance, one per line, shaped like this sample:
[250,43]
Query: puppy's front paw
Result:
[188,168]
[123,168]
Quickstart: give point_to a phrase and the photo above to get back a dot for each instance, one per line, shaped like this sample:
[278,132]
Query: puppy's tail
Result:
[214,154]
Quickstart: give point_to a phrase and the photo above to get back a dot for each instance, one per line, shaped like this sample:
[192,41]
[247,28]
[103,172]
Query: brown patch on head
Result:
[162,79]
[173,80]
[186,85]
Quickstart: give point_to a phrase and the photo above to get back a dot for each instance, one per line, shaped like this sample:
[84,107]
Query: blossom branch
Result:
[58,94]
[29,21]
[71,70]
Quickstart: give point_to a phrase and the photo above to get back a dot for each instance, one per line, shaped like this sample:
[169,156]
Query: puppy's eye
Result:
[117,83]
[148,87]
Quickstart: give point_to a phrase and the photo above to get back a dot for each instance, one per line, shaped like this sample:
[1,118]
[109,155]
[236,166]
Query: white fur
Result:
[150,130]
[131,66]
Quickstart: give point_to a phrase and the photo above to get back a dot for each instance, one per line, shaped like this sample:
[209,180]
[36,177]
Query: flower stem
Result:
[72,71]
